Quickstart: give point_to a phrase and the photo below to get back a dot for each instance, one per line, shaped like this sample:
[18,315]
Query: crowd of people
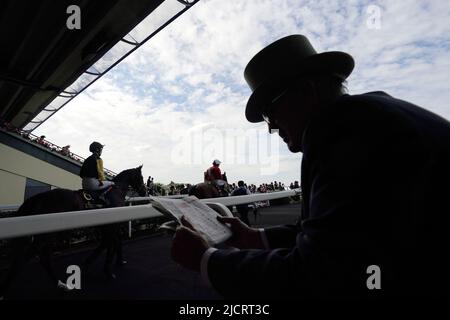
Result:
[213,175]
[182,188]
[41,140]
[266,187]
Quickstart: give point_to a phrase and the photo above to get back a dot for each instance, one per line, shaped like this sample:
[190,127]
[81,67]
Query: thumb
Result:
[186,223]
[230,220]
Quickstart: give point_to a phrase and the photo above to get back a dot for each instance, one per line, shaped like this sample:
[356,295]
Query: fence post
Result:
[129,225]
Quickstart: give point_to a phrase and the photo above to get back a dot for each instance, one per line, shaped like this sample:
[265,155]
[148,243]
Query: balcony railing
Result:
[49,145]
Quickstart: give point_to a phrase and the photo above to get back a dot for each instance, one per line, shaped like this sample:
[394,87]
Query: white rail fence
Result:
[44,223]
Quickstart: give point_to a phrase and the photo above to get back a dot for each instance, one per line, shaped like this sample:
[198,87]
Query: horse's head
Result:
[137,181]
[225,189]
[134,179]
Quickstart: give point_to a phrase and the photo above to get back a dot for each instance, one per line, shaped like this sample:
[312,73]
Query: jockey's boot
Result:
[104,199]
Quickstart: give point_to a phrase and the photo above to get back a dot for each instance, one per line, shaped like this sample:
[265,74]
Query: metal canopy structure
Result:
[44,64]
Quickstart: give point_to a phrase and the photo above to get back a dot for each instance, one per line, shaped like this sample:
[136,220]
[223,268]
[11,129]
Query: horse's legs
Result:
[108,262]
[45,257]
[255,213]
[109,257]
[118,249]
[22,252]
[97,251]
[109,234]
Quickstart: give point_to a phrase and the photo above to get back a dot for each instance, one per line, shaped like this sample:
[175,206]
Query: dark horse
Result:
[63,200]
[205,190]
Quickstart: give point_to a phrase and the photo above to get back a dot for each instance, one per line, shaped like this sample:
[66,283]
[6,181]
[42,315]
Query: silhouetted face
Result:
[289,113]
[98,152]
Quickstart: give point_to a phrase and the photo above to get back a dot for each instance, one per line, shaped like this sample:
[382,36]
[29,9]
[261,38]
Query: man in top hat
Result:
[374,178]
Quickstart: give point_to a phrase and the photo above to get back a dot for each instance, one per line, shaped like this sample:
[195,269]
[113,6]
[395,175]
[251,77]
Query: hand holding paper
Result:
[187,238]
[200,217]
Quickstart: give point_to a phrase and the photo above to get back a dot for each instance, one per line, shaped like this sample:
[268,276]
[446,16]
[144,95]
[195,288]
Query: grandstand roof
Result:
[40,58]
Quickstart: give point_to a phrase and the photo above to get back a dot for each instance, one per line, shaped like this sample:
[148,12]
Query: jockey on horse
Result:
[92,174]
[214,176]
[214,185]
[96,191]
[64,200]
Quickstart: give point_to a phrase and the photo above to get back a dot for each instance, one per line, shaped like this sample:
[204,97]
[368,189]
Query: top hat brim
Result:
[336,63]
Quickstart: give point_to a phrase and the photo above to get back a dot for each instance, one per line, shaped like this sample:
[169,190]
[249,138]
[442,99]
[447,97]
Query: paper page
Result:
[199,215]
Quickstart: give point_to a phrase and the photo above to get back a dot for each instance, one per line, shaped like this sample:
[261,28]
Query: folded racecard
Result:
[198,214]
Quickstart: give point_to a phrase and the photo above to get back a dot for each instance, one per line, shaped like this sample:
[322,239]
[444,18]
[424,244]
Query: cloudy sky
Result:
[178,102]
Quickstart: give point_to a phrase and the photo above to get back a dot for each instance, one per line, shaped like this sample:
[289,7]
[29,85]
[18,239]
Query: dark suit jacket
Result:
[375,174]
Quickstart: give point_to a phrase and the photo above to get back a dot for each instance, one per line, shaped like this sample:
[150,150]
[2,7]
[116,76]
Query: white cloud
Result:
[191,74]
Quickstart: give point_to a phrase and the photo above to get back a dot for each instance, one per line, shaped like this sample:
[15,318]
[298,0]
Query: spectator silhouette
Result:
[354,147]
[242,209]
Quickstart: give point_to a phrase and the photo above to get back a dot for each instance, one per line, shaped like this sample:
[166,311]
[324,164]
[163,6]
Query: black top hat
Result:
[289,58]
